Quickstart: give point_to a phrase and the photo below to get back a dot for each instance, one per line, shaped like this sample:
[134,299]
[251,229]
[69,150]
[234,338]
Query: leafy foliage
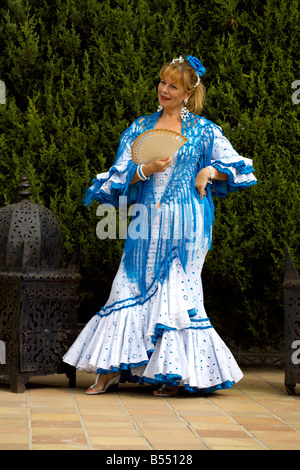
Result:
[77,73]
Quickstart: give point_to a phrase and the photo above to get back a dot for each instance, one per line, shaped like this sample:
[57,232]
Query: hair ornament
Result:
[178,59]
[195,63]
[197,82]
[197,66]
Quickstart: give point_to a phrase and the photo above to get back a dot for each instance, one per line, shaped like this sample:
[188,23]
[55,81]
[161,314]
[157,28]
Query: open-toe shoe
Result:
[113,381]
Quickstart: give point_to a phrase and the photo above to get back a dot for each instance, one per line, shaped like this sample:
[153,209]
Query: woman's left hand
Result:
[201,181]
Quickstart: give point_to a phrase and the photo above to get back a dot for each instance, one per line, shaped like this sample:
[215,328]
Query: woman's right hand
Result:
[157,166]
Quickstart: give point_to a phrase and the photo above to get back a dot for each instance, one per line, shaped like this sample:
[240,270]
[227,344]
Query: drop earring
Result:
[184,113]
[160,108]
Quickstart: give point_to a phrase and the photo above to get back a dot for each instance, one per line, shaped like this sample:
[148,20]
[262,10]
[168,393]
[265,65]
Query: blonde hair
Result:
[184,74]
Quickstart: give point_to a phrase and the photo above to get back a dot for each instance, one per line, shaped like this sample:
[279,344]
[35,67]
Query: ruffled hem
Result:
[109,186]
[166,380]
[148,352]
[195,359]
[165,338]
[240,176]
[227,160]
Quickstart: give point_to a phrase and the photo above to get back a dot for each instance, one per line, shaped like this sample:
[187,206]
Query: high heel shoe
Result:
[113,381]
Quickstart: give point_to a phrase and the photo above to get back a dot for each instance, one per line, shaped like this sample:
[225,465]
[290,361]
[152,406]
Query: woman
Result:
[154,328]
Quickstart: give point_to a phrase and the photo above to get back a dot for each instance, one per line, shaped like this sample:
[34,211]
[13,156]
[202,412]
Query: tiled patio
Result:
[256,414]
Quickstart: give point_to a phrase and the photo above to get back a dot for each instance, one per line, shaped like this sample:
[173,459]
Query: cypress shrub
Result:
[77,73]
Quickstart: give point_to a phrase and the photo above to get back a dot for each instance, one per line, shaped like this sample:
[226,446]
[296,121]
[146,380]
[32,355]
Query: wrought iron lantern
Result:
[291,287]
[38,298]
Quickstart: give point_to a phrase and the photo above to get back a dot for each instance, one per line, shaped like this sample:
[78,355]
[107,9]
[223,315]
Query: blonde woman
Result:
[154,328]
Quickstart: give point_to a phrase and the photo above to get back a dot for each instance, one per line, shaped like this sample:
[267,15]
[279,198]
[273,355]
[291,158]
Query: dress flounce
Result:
[166,339]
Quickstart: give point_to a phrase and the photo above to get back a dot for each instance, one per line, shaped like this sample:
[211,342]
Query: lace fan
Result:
[156,143]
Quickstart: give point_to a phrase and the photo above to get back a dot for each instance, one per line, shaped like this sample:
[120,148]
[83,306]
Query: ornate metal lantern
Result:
[292,326]
[38,299]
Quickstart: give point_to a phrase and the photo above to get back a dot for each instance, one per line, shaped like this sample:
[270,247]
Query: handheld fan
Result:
[156,143]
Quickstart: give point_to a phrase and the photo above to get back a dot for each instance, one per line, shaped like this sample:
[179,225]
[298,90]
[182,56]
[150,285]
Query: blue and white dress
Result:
[154,327]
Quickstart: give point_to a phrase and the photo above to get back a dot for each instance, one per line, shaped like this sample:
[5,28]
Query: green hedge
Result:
[78,72]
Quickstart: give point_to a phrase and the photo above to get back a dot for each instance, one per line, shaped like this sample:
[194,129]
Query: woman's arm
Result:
[156,166]
[232,171]
[204,176]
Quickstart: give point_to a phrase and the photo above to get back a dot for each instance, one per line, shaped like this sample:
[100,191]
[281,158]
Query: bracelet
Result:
[141,174]
[212,173]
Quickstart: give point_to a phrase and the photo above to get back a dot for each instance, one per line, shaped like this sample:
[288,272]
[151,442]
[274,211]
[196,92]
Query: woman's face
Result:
[171,95]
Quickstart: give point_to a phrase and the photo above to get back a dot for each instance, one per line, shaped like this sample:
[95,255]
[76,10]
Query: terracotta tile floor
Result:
[256,414]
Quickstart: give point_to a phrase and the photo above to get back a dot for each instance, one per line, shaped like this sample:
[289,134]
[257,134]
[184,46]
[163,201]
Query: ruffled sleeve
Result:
[225,159]
[108,187]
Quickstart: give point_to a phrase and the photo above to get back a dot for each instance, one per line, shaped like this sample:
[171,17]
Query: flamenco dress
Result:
[154,328]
